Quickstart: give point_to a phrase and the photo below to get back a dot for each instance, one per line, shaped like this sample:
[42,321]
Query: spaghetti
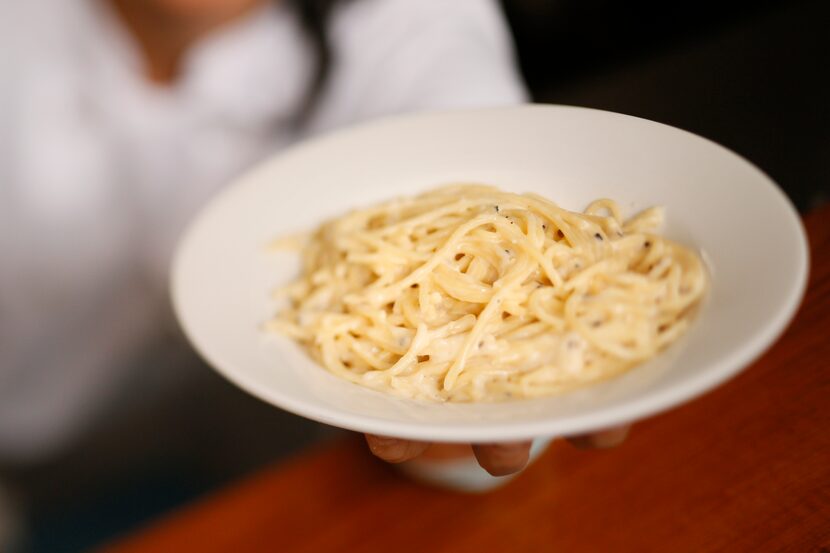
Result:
[467,293]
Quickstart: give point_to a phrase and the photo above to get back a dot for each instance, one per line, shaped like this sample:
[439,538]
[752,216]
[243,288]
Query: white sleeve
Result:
[394,56]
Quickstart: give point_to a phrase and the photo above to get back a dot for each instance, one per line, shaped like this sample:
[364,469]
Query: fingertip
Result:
[394,450]
[502,459]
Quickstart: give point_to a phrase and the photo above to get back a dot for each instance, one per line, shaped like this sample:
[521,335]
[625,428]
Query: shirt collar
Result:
[251,73]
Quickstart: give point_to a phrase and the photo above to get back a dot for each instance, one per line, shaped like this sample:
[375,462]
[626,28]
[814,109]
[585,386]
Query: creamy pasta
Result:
[468,293]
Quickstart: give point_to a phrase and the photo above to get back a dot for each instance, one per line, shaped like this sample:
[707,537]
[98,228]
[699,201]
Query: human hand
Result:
[498,459]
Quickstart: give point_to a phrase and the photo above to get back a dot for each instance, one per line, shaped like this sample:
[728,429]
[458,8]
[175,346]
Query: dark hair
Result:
[314,17]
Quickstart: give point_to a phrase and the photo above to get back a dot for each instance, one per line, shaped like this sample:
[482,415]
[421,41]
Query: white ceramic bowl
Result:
[716,201]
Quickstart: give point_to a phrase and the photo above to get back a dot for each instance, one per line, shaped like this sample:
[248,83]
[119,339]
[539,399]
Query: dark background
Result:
[752,76]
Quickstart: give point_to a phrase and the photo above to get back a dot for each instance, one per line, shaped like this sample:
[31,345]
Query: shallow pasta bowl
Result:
[716,202]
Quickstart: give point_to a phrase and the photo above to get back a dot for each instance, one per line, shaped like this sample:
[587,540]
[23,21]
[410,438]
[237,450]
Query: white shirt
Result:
[101,170]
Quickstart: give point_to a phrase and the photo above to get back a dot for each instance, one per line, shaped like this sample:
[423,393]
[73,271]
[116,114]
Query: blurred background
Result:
[752,76]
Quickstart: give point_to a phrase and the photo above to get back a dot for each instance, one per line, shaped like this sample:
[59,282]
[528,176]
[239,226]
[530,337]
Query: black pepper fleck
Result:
[598,236]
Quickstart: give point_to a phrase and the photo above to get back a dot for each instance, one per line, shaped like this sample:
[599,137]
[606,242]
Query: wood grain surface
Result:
[745,468]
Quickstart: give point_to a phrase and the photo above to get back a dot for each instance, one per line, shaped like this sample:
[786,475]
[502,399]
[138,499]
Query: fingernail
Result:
[391,450]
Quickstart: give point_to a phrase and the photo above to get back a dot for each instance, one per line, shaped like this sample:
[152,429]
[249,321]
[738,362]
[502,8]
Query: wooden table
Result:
[744,469]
